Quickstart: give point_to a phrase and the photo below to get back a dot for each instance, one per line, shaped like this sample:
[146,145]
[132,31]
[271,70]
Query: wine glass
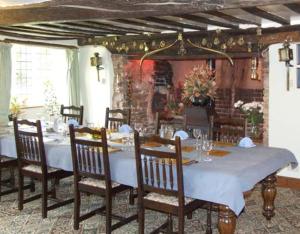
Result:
[197,133]
[207,146]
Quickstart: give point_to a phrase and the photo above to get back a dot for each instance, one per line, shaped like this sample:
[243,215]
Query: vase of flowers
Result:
[254,114]
[14,108]
[199,86]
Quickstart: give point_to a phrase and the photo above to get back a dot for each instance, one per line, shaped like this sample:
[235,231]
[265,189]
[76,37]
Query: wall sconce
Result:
[286,55]
[254,66]
[96,61]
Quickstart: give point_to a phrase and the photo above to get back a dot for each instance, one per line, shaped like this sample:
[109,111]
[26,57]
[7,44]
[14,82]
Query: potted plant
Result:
[199,86]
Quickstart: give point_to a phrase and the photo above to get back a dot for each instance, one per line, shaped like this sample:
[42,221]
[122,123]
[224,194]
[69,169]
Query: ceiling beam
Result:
[146,24]
[294,7]
[41,32]
[173,23]
[231,18]
[109,27]
[145,27]
[34,37]
[204,20]
[67,10]
[266,15]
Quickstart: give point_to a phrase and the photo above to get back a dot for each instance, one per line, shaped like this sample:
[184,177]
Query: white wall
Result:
[96,96]
[284,109]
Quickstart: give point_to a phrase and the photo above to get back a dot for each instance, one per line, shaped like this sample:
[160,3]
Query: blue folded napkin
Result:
[125,128]
[74,122]
[181,134]
[246,142]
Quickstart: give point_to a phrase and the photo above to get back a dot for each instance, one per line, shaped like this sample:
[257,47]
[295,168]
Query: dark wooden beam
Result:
[174,23]
[294,7]
[166,26]
[231,18]
[33,37]
[110,27]
[134,24]
[266,15]
[67,28]
[204,20]
[146,24]
[70,10]
[42,32]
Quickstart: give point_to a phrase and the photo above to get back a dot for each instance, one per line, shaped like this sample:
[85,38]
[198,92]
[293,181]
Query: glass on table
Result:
[197,133]
[207,146]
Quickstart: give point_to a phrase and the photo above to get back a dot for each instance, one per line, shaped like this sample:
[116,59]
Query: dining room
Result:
[149,116]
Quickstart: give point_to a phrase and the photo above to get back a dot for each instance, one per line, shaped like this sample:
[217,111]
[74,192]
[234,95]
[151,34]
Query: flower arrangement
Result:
[199,82]
[15,107]
[252,110]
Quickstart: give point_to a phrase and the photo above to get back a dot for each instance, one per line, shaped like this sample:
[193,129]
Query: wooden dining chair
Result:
[176,122]
[197,117]
[160,184]
[92,175]
[72,112]
[229,130]
[117,117]
[32,163]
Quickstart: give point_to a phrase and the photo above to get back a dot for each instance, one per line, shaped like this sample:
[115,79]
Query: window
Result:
[32,68]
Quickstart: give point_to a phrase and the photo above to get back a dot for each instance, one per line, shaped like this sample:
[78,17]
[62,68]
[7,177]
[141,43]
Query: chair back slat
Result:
[117,117]
[72,112]
[29,142]
[159,171]
[229,129]
[90,157]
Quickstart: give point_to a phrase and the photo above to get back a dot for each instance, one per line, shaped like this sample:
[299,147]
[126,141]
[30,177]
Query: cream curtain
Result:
[5,81]
[73,76]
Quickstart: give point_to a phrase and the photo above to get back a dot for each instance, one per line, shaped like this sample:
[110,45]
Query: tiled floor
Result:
[286,220]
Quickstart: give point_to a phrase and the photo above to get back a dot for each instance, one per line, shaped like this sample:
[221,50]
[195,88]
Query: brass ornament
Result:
[216,41]
[134,44]
[230,42]
[223,46]
[241,41]
[162,44]
[204,42]
[141,46]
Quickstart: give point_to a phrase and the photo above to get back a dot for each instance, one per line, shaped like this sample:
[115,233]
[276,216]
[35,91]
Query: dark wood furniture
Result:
[176,122]
[92,175]
[32,163]
[72,112]
[117,117]
[160,184]
[229,129]
[8,164]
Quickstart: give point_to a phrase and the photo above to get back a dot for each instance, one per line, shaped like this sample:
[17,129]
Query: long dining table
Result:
[223,181]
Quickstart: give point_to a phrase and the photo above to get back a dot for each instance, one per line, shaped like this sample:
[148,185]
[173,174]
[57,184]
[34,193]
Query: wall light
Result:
[96,61]
[286,55]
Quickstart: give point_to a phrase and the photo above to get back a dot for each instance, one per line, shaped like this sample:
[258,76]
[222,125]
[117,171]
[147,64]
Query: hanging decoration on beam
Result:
[286,55]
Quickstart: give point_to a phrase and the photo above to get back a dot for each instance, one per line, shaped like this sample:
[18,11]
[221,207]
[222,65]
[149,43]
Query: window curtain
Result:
[73,77]
[5,81]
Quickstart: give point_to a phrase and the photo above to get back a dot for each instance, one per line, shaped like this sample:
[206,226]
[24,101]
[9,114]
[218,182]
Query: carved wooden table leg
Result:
[269,191]
[227,220]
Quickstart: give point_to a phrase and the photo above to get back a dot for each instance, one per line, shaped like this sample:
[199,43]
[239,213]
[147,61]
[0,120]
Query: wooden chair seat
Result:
[170,200]
[97,183]
[6,159]
[38,169]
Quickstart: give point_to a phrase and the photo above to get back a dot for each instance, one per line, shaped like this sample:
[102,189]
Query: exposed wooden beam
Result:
[143,24]
[131,23]
[66,28]
[174,23]
[39,44]
[33,37]
[266,15]
[41,32]
[231,18]
[294,7]
[166,26]
[204,20]
[67,10]
[109,27]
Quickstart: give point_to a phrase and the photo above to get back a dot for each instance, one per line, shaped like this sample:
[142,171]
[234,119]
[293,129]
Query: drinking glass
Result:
[207,146]
[197,133]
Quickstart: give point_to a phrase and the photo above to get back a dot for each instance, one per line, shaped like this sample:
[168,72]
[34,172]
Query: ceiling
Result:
[77,19]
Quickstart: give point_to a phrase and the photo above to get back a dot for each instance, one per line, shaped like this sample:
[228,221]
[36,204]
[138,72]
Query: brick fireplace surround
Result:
[137,94]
